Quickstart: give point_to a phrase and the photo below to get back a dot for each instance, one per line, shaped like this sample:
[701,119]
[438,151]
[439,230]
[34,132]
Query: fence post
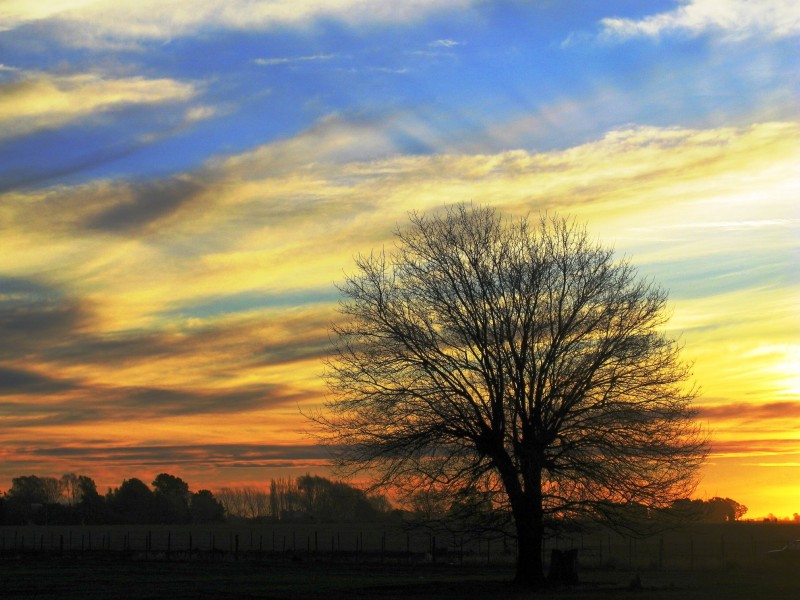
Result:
[691,554]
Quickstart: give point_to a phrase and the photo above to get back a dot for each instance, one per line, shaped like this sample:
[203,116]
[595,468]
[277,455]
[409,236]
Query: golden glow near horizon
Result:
[176,318]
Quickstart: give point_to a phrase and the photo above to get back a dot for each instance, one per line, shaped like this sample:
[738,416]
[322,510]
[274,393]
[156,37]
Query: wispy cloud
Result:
[35,101]
[204,465]
[751,411]
[15,382]
[444,43]
[253,454]
[145,203]
[97,22]
[734,20]
[203,299]
[267,62]
[756,447]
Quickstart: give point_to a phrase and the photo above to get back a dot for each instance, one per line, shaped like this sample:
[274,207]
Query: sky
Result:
[183,183]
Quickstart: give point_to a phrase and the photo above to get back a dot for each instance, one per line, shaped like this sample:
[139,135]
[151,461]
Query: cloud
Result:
[211,455]
[48,402]
[755,447]
[445,43]
[110,463]
[33,315]
[100,22]
[18,381]
[267,62]
[200,113]
[145,203]
[734,20]
[750,411]
[155,402]
[201,302]
[37,101]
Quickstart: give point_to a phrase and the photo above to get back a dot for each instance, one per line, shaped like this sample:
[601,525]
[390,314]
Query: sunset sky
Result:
[183,182]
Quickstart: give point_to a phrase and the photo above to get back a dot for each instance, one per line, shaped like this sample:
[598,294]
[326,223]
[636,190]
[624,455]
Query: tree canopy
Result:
[516,357]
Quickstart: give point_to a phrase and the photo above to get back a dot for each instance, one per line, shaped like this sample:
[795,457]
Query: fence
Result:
[280,542]
[699,547]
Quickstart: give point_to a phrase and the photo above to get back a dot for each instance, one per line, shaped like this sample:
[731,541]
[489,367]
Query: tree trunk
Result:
[530,533]
[528,513]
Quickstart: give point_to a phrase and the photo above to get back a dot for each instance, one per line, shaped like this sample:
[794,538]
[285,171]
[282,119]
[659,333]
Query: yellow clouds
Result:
[40,101]
[290,215]
[88,22]
[202,301]
[15,12]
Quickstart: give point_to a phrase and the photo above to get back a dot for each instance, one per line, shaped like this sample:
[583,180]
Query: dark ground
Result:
[95,579]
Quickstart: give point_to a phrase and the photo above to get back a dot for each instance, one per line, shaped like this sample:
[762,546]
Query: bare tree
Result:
[284,497]
[245,502]
[513,357]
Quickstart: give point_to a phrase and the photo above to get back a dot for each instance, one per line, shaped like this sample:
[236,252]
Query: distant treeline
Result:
[74,500]
[715,510]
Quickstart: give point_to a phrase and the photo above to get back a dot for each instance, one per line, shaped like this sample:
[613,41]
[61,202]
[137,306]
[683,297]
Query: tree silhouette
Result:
[171,498]
[31,498]
[516,358]
[132,502]
[328,501]
[204,508]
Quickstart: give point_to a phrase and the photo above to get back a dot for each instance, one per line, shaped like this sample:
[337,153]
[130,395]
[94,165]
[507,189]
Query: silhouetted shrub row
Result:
[74,500]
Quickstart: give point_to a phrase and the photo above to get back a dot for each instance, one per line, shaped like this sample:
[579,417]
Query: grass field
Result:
[121,580]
